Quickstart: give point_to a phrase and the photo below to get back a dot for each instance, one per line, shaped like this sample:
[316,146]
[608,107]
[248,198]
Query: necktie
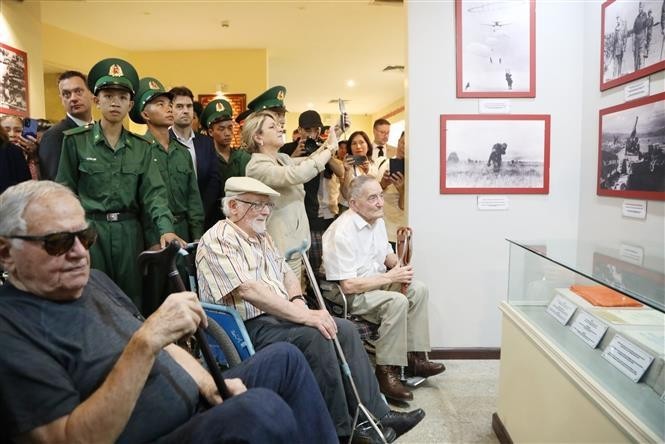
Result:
[380,151]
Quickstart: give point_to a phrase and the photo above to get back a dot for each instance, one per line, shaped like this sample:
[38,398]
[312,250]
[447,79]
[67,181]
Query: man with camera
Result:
[320,197]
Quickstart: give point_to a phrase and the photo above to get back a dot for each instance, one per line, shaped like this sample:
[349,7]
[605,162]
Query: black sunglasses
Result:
[57,244]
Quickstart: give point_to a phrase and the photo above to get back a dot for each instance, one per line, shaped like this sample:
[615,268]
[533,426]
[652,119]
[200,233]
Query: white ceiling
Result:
[314,47]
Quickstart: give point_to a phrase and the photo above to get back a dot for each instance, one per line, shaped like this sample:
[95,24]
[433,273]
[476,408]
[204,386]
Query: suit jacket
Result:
[288,224]
[207,173]
[51,146]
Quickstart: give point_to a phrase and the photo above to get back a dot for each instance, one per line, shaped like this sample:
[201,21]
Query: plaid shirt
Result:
[227,257]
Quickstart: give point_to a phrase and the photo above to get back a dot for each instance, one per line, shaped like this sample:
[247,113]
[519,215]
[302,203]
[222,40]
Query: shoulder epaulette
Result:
[77,130]
[139,136]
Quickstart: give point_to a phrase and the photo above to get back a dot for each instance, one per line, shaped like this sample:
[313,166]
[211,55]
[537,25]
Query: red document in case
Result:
[603,297]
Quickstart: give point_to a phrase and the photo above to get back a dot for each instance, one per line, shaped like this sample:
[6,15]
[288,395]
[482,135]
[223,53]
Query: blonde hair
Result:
[252,127]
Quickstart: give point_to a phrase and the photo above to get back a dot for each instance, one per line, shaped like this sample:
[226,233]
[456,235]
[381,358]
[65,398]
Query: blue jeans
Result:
[283,404]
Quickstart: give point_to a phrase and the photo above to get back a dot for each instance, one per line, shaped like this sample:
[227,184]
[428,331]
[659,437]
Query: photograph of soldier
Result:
[494,40]
[628,27]
[632,148]
[468,168]
[498,150]
[14,85]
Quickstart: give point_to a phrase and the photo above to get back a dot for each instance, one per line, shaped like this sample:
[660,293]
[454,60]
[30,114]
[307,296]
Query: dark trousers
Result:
[282,404]
[322,358]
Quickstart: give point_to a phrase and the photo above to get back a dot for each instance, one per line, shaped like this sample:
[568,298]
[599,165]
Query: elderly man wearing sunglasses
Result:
[79,365]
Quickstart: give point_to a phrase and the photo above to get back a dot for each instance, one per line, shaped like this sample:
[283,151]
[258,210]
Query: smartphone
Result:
[342,112]
[29,127]
[396,166]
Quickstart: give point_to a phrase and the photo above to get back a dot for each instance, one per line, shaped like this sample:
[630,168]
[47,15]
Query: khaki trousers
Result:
[404,321]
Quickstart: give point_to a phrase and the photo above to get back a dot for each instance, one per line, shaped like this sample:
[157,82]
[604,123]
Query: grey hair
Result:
[357,184]
[225,205]
[252,127]
[16,199]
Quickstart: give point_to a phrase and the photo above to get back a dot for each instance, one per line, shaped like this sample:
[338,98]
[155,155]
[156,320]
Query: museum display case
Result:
[596,314]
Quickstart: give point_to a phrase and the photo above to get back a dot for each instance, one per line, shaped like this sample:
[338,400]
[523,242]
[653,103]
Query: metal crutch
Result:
[346,370]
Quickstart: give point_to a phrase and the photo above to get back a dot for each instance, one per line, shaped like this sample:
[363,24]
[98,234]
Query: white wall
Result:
[600,216]
[461,252]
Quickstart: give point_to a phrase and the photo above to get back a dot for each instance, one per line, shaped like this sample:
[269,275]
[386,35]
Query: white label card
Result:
[631,254]
[493,106]
[637,89]
[561,309]
[637,209]
[588,328]
[627,357]
[493,203]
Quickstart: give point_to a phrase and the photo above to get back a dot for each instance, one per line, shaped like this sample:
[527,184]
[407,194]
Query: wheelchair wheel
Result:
[224,342]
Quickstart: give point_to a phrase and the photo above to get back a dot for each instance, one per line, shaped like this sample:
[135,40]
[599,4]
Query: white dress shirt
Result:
[354,248]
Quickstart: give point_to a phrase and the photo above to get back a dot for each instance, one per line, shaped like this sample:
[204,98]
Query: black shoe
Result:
[402,422]
[365,434]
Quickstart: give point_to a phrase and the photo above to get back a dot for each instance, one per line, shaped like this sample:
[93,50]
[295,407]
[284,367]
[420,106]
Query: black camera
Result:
[311,145]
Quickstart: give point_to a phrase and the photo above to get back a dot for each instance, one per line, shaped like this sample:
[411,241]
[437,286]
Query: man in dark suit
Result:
[202,151]
[77,101]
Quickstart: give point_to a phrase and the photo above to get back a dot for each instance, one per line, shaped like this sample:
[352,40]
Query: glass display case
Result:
[603,308]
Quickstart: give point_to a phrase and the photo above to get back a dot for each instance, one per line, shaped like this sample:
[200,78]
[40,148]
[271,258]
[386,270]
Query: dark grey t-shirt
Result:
[54,355]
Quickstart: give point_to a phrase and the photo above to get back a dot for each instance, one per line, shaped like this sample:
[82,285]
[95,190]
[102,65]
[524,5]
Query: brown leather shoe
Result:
[390,385]
[420,366]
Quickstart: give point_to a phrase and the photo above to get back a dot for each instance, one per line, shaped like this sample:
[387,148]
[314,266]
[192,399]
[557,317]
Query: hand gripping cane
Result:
[346,370]
[167,257]
[404,235]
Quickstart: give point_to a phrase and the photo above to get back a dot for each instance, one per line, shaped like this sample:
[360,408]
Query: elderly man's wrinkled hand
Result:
[166,238]
[323,321]
[400,274]
[178,316]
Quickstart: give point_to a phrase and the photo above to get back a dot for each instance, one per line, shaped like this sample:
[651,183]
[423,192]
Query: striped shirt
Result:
[227,257]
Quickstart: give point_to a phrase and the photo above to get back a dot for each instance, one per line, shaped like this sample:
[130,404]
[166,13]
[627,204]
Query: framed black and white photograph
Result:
[14,86]
[496,48]
[632,38]
[631,149]
[495,154]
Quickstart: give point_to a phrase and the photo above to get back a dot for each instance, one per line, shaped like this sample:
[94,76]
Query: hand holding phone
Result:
[29,128]
[396,166]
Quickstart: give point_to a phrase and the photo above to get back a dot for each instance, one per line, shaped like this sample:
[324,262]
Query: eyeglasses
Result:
[259,206]
[57,244]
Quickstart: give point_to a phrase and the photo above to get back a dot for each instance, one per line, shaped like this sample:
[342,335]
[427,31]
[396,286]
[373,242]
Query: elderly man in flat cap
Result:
[112,172]
[239,265]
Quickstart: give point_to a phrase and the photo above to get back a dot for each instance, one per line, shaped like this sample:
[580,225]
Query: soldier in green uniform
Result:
[273,101]
[113,173]
[153,108]
[216,118]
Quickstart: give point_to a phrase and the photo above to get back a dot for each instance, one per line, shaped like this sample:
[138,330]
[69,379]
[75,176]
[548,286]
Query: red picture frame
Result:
[618,61]
[631,152]
[495,49]
[238,104]
[473,147]
[14,96]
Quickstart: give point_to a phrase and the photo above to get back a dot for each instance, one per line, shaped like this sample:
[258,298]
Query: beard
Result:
[259,226]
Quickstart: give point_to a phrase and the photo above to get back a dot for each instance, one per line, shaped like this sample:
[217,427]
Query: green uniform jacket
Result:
[182,190]
[124,180]
[235,167]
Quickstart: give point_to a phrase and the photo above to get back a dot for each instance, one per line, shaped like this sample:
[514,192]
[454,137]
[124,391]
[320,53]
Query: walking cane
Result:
[346,370]
[167,256]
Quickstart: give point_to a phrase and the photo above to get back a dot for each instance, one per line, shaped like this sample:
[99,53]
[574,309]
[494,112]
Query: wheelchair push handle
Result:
[167,257]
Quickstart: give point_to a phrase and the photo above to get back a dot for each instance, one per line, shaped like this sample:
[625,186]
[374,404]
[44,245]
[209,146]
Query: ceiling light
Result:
[310,105]
[350,83]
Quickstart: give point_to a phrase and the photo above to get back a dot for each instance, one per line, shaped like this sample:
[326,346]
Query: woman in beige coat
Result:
[288,225]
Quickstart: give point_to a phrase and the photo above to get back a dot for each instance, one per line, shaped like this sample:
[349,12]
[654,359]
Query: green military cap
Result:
[215,111]
[113,73]
[240,119]
[149,88]
[273,98]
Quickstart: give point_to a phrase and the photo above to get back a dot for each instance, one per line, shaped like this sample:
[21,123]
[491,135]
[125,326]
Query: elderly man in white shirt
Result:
[356,253]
